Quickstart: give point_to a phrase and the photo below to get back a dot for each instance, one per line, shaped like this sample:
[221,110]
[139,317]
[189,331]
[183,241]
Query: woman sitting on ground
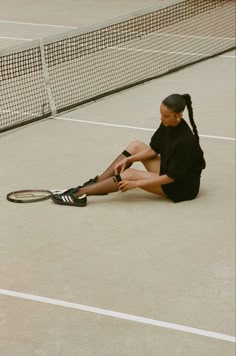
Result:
[173,161]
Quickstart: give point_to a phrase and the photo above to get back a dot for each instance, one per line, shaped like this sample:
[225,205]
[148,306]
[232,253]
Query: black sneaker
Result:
[69,199]
[76,189]
[89,182]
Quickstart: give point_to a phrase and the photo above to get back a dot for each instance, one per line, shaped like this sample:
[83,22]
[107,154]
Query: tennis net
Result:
[58,73]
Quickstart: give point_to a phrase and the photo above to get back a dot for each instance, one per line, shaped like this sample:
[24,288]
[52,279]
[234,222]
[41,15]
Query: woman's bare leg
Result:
[151,165]
[110,171]
[110,184]
[134,174]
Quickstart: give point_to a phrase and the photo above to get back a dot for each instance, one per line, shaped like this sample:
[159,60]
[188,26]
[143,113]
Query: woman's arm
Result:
[125,185]
[152,182]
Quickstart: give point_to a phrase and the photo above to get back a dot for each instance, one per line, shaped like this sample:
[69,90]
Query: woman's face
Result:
[168,117]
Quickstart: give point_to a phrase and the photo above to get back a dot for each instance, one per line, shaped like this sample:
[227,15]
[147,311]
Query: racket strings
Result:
[31,195]
[28,195]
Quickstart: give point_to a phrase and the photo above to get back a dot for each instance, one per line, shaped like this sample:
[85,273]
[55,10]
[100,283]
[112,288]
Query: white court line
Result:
[227,56]
[16,38]
[35,24]
[133,127]
[118,315]
[219,137]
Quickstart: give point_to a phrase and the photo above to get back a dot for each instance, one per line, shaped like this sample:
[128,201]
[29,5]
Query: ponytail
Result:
[188,102]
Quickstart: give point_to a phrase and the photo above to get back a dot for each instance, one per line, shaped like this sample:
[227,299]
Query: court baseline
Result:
[118,315]
[133,127]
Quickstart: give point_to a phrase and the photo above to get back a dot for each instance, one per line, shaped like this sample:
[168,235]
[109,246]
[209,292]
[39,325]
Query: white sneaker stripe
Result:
[69,199]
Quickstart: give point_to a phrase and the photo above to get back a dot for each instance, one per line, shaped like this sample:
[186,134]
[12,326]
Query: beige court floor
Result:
[24,20]
[132,253]
[71,13]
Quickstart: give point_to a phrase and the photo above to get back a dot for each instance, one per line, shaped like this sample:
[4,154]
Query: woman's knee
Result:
[136,146]
[128,174]
[135,174]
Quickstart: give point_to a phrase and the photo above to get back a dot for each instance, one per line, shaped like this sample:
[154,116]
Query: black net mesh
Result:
[58,74]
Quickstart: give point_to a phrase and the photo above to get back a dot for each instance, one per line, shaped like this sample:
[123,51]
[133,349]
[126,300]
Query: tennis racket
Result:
[31,195]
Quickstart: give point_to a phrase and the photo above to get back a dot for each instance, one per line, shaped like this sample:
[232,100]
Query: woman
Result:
[173,161]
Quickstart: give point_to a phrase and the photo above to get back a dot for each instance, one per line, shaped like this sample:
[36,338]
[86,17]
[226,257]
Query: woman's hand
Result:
[121,166]
[125,185]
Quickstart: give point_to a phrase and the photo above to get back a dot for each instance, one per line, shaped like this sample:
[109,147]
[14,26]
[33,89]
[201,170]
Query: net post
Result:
[47,80]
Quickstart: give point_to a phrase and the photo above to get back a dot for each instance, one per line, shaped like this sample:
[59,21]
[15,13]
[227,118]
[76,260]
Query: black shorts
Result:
[182,190]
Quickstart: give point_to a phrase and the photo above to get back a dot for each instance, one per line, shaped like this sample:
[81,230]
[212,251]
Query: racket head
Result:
[29,195]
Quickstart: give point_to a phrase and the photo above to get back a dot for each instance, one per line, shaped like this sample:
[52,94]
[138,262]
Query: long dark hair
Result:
[177,104]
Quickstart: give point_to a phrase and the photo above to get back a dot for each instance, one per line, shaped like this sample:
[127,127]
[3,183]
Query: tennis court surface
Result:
[131,273]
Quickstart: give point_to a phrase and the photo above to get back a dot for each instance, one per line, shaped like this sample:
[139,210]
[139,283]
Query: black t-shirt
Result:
[180,154]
